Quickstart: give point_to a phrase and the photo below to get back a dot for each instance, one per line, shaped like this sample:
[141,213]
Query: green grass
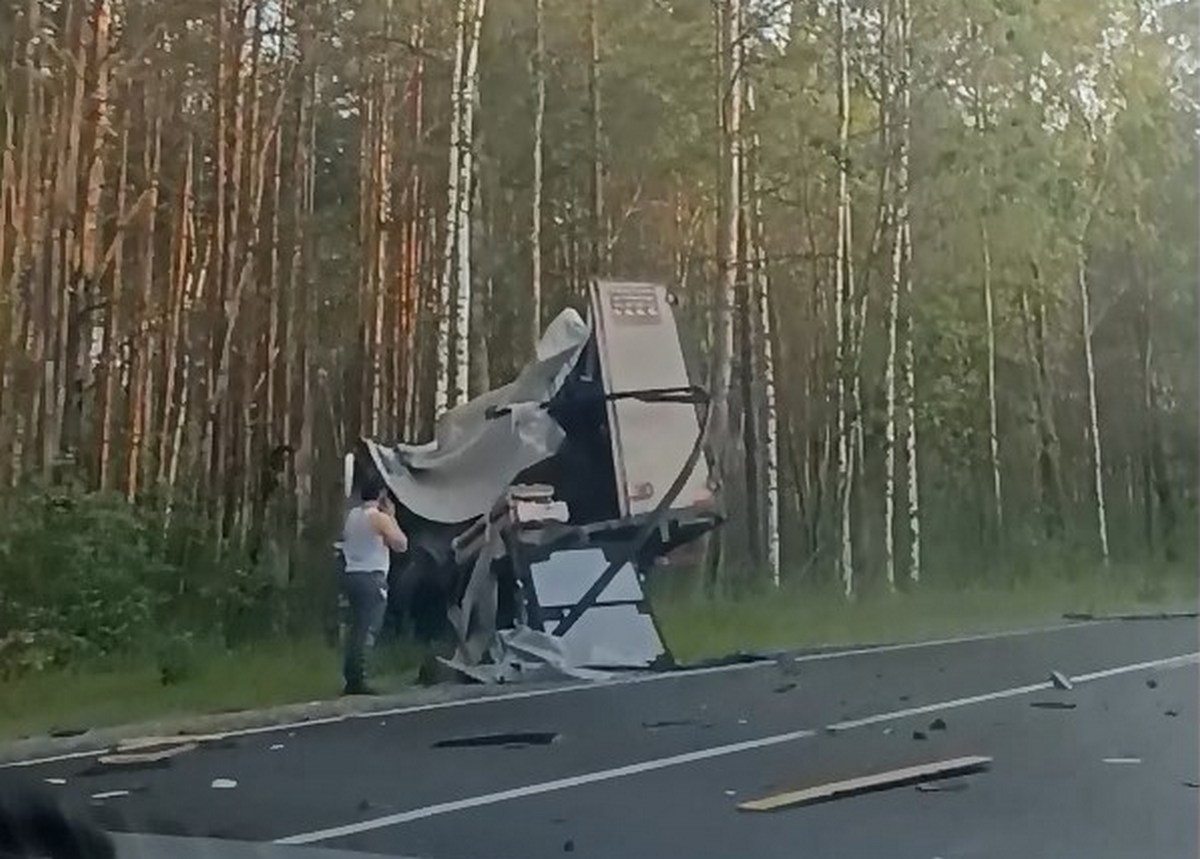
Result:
[214,680]
[697,628]
[131,690]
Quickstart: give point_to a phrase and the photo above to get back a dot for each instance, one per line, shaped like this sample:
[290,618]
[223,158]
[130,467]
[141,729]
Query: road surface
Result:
[656,768]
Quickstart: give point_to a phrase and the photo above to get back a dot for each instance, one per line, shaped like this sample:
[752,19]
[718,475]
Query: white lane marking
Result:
[1121,761]
[700,755]
[563,689]
[543,787]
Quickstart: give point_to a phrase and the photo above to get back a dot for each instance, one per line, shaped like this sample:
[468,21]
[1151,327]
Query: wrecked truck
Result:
[538,508]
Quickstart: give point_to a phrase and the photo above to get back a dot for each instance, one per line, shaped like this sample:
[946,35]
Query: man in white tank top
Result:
[369,537]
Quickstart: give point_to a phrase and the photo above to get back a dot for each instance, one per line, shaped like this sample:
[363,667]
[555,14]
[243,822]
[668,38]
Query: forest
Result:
[937,261]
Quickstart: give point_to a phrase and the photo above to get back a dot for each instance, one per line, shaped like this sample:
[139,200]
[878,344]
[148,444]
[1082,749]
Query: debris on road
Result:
[1192,784]
[920,735]
[110,794]
[786,687]
[55,781]
[942,786]
[153,755]
[668,723]
[868,783]
[1122,760]
[1171,713]
[1061,681]
[275,747]
[223,784]
[938,724]
[569,846]
[1151,683]
[889,729]
[729,792]
[1052,705]
[509,739]
[1152,615]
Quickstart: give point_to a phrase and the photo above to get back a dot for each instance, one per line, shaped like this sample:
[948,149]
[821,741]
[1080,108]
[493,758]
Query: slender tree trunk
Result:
[112,331]
[843,288]
[913,512]
[1093,411]
[993,434]
[453,191]
[466,194]
[535,226]
[599,231]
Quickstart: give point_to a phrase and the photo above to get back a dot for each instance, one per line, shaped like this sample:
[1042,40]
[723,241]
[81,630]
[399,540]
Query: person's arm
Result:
[387,528]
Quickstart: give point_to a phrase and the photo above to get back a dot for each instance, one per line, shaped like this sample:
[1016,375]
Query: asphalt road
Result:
[656,768]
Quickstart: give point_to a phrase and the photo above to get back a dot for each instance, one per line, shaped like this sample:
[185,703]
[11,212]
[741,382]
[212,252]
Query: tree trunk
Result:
[993,434]
[535,225]
[843,289]
[599,231]
[112,331]
[453,177]
[913,513]
[466,194]
[1093,412]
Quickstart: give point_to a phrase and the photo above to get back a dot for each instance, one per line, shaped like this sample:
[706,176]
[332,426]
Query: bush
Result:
[80,575]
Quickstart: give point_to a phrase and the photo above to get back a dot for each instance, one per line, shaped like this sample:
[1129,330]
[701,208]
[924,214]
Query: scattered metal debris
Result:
[875,781]
[904,697]
[920,735]
[1192,784]
[1153,615]
[742,722]
[1151,683]
[569,846]
[786,687]
[1061,681]
[55,781]
[730,792]
[942,786]
[1122,760]
[511,739]
[938,724]
[889,729]
[110,794]
[1171,713]
[68,732]
[223,783]
[668,723]
[151,756]
[276,747]
[1052,705]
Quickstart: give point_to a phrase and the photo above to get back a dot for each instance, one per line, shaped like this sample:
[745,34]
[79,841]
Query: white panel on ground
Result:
[564,577]
[613,636]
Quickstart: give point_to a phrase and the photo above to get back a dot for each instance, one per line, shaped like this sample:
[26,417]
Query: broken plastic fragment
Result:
[1061,681]
[56,781]
[223,783]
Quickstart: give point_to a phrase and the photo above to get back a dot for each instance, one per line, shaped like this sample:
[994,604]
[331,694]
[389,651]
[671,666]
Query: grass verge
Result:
[265,674]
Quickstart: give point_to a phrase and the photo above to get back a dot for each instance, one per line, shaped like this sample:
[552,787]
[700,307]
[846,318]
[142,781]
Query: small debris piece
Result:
[942,786]
[937,725]
[56,781]
[276,747]
[1151,683]
[515,739]
[920,735]
[67,732]
[867,783]
[223,784]
[1171,713]
[1052,705]
[742,722]
[153,756]
[1122,760]
[1192,784]
[731,793]
[668,723]
[110,794]
[786,687]
[364,805]
[1061,681]
[889,729]
[903,697]
[569,846]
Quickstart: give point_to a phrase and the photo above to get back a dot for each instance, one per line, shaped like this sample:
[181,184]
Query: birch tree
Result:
[843,288]
[535,218]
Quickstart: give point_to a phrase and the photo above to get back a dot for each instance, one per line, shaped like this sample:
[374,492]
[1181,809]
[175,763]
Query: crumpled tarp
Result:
[473,458]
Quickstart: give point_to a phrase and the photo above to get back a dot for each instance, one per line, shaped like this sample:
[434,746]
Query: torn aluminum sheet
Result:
[472,459]
[523,655]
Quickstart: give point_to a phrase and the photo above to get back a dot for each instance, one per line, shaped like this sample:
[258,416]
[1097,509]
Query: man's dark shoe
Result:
[359,689]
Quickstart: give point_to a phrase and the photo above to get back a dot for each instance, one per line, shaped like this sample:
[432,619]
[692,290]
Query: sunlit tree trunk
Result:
[599,230]
[535,225]
[843,289]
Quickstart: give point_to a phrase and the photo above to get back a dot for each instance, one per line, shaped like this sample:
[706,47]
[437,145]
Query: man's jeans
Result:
[366,596]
